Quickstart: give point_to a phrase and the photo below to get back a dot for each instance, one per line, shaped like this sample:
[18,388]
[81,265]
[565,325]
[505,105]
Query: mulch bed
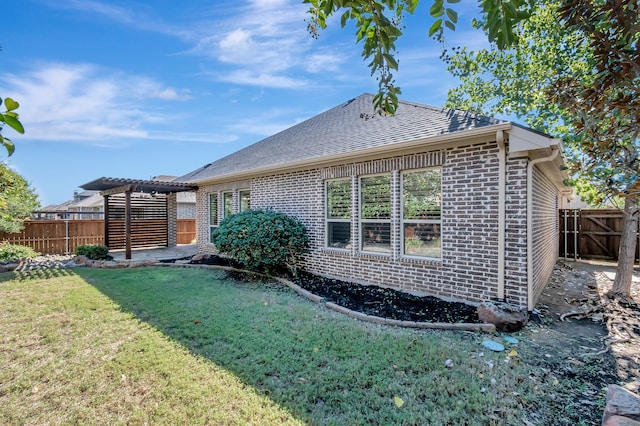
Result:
[374,300]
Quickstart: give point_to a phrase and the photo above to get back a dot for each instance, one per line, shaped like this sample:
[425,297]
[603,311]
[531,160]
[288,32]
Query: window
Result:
[421,216]
[375,214]
[213,214]
[338,215]
[245,200]
[227,201]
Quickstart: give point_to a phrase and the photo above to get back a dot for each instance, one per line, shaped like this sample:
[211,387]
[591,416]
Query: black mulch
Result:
[374,300]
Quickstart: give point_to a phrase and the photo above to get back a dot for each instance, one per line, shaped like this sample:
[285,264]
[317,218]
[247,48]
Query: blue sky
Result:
[136,89]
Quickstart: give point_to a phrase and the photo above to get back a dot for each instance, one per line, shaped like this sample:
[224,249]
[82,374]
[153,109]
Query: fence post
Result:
[66,236]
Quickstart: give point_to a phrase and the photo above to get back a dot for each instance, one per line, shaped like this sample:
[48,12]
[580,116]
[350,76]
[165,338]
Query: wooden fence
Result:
[63,236]
[592,234]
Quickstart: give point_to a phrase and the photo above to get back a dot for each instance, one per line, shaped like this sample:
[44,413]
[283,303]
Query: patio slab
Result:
[157,254]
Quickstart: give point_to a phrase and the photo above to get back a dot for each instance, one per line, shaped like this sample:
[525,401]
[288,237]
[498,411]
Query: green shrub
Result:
[15,252]
[262,240]
[94,252]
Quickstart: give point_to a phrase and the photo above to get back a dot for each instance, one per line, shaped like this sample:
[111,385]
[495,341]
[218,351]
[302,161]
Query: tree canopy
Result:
[17,200]
[379,25]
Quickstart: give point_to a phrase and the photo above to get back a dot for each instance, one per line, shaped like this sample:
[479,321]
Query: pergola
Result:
[144,220]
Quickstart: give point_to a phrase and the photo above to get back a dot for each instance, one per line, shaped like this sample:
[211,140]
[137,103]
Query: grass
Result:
[195,346]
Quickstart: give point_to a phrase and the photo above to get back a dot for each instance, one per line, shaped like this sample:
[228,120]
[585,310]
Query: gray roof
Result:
[347,128]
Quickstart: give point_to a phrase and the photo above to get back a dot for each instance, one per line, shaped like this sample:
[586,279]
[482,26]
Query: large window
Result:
[245,199]
[338,215]
[213,214]
[375,214]
[421,216]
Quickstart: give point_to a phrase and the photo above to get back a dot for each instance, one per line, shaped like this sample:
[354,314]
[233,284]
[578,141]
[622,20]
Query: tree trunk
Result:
[627,251]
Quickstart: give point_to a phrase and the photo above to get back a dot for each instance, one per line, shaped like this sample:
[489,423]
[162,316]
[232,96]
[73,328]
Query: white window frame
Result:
[404,221]
[328,220]
[387,221]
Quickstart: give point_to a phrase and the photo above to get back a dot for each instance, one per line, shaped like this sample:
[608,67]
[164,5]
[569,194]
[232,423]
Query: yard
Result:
[202,346]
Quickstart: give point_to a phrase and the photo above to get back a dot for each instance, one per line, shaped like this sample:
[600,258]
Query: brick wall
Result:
[172,217]
[545,231]
[468,268]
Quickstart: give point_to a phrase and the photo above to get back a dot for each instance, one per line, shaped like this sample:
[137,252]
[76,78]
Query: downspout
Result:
[530,167]
[502,166]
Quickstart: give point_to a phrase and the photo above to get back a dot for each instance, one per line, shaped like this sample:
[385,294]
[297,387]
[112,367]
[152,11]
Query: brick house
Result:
[431,200]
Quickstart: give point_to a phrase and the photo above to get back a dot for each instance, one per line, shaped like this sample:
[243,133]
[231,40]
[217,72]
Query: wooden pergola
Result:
[143,220]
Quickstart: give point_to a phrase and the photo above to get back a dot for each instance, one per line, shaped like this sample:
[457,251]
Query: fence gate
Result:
[592,234]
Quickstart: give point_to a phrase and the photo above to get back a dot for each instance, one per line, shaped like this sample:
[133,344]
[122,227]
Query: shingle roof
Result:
[350,127]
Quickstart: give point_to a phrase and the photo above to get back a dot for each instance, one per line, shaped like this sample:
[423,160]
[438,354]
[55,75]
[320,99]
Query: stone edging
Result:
[486,327]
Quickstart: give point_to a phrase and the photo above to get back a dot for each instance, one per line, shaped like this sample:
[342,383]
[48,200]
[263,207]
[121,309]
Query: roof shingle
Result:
[350,127]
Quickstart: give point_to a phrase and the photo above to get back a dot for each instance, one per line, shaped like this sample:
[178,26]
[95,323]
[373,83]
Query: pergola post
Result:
[106,220]
[127,221]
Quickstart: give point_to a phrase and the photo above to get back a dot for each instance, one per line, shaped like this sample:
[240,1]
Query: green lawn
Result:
[195,346]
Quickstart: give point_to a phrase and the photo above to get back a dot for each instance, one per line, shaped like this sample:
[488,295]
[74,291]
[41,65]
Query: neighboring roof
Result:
[95,200]
[350,127]
[138,185]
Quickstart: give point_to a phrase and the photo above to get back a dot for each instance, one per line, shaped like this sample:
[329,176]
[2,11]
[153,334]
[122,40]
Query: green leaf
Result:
[10,104]
[450,25]
[9,146]
[14,123]
[453,1]
[435,27]
[453,15]
[391,61]
[437,8]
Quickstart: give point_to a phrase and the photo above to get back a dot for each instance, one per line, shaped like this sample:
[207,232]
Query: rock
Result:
[199,257]
[493,345]
[504,316]
[8,267]
[620,421]
[621,402]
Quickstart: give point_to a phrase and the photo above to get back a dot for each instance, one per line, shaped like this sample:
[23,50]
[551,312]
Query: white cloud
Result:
[66,102]
[262,79]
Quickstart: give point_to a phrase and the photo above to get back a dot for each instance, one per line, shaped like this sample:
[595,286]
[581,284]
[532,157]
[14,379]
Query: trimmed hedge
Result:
[262,240]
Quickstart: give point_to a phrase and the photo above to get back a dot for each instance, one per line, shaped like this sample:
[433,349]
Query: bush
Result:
[94,252]
[262,240]
[15,252]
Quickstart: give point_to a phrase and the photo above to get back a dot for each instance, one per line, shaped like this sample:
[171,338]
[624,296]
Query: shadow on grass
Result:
[321,366]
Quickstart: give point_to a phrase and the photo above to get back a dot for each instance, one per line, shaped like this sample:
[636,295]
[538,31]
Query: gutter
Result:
[554,154]
[502,166]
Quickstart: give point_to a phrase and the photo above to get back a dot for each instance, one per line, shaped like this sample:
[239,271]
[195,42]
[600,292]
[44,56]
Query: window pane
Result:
[421,193]
[339,235]
[376,237]
[213,209]
[339,199]
[245,200]
[227,198]
[375,197]
[422,239]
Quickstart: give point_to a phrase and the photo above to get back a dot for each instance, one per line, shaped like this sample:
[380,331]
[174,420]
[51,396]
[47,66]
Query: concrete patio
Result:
[157,254]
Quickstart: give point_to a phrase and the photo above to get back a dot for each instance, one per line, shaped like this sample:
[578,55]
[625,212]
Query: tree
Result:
[17,200]
[379,24]
[10,118]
